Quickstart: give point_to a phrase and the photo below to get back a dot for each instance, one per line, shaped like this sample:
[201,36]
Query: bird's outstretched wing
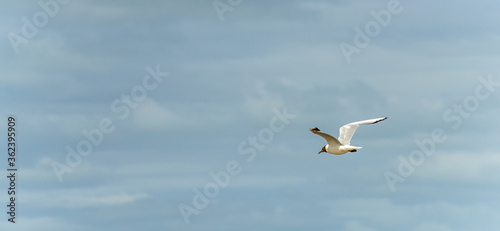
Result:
[332,141]
[348,130]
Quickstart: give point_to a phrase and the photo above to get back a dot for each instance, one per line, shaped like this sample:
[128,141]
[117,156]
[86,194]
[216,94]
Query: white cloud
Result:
[149,115]
[41,223]
[266,181]
[433,227]
[386,213]
[357,226]
[381,211]
[79,198]
[461,167]
[264,101]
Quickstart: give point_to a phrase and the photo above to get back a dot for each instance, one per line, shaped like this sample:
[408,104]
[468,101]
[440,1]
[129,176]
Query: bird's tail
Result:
[350,148]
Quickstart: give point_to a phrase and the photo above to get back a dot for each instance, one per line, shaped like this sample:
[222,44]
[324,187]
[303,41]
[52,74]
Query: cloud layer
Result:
[226,79]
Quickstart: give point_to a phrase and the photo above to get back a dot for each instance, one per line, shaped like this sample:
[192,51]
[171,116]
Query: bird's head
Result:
[322,150]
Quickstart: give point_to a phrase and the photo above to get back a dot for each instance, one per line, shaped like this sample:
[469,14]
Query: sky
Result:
[195,115]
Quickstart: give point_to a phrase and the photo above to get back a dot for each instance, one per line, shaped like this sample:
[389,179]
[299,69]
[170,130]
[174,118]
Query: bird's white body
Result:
[339,150]
[343,143]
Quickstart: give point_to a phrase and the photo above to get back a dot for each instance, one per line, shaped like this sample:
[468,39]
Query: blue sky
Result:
[194,115]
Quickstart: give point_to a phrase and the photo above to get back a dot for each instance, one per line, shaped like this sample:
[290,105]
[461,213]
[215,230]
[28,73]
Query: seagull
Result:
[343,143]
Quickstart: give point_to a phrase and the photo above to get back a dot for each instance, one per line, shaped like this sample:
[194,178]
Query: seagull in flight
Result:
[343,143]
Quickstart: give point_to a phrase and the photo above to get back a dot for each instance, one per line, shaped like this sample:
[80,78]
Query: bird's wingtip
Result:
[314,129]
